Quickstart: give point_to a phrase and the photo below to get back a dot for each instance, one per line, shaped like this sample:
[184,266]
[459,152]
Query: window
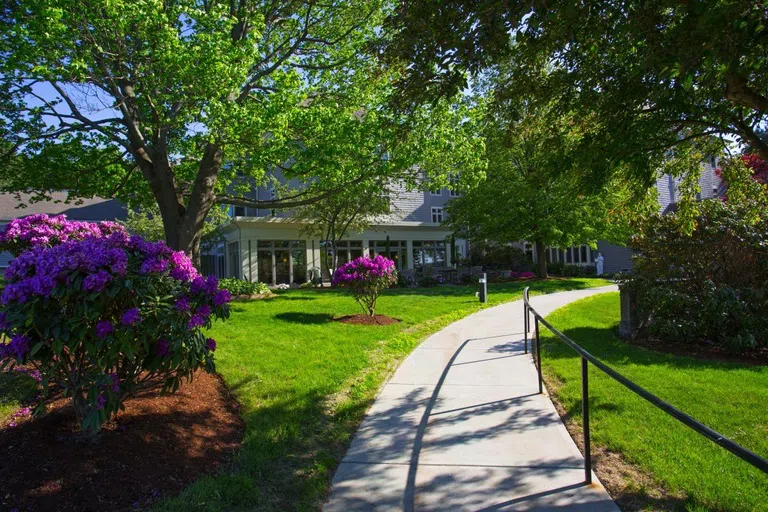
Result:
[239,211]
[453,190]
[529,251]
[273,196]
[346,250]
[437,214]
[234,260]
[396,250]
[436,192]
[281,261]
[430,253]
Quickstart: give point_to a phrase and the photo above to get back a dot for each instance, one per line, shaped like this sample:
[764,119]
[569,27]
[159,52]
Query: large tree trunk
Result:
[184,223]
[541,259]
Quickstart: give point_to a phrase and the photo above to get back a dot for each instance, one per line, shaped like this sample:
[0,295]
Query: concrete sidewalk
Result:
[461,426]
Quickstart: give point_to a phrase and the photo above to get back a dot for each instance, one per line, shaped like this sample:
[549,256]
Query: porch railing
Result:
[586,358]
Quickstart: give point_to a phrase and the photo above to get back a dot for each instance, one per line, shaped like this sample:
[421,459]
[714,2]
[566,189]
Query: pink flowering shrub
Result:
[366,278]
[521,275]
[44,230]
[101,317]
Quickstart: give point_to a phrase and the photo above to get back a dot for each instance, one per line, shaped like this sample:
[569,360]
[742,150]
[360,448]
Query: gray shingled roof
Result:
[92,209]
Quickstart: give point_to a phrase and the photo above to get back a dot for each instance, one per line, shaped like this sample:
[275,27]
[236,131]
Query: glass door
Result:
[282,266]
[265,267]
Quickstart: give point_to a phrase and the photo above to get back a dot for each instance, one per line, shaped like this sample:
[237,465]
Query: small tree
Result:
[367,278]
[352,210]
[101,317]
[535,190]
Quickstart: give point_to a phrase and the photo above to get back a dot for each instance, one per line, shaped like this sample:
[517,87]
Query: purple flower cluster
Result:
[182,304]
[18,347]
[38,271]
[364,269]
[222,297]
[162,347]
[96,282]
[208,285]
[130,317]
[104,328]
[44,230]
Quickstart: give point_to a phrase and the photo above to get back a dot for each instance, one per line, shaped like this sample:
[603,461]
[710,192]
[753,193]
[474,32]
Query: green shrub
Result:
[467,279]
[428,282]
[495,256]
[243,287]
[403,281]
[705,285]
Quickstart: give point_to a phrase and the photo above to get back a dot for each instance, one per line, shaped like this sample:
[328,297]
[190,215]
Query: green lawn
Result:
[305,384]
[730,398]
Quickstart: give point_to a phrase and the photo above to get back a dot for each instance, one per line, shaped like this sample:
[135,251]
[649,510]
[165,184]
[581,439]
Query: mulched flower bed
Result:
[154,448]
[367,320]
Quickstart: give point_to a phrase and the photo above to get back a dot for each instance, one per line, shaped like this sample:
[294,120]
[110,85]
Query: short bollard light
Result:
[483,293]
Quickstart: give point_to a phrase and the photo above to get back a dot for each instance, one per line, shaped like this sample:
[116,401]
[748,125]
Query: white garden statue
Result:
[599,263]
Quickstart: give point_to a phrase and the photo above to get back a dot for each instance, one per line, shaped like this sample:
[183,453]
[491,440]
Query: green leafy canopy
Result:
[187,103]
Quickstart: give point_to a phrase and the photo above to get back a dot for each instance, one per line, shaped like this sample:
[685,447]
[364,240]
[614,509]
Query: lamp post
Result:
[483,294]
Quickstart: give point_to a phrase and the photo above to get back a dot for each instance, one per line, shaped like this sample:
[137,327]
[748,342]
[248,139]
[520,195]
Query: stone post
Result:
[629,320]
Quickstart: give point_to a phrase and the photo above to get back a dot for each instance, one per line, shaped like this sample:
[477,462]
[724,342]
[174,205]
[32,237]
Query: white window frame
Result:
[437,213]
[436,193]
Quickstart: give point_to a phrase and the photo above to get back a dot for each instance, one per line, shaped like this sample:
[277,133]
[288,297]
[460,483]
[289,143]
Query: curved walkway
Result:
[461,426]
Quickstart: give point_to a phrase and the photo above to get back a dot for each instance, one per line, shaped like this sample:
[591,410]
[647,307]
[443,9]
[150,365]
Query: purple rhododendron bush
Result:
[102,316]
[366,278]
[44,230]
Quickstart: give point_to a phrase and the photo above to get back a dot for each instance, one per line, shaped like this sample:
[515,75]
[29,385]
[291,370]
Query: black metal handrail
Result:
[586,358]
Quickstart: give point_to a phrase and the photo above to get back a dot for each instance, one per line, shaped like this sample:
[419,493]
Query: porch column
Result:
[246,259]
[409,248]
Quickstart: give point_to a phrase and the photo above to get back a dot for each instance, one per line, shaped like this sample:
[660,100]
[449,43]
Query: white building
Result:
[261,245]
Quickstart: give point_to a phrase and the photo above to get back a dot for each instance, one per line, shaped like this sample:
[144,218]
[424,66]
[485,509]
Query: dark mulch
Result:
[704,352]
[367,320]
[154,448]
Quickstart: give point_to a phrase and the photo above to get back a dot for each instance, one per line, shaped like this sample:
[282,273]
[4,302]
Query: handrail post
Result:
[538,354]
[585,419]
[525,325]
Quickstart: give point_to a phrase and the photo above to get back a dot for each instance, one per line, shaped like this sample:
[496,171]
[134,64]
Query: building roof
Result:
[91,209]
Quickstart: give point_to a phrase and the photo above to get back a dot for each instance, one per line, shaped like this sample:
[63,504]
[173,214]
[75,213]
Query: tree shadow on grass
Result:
[297,317]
